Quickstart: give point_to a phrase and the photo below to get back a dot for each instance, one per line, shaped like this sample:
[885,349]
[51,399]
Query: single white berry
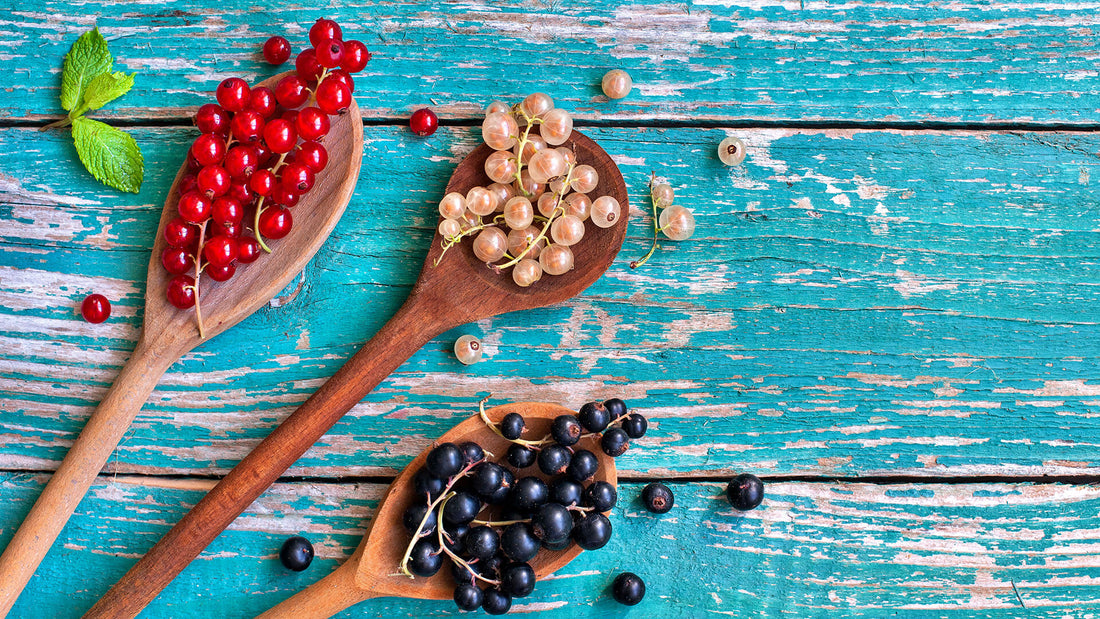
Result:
[468,349]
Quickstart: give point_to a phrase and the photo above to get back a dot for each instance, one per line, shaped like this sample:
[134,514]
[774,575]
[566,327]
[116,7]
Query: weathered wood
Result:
[734,60]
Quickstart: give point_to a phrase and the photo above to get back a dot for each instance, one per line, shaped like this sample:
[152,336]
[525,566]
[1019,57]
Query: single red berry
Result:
[307,67]
[291,116]
[263,101]
[341,75]
[211,118]
[277,50]
[247,126]
[333,97]
[227,209]
[241,161]
[188,182]
[220,273]
[248,249]
[233,94]
[275,223]
[194,207]
[286,197]
[262,182]
[181,291]
[313,154]
[330,53]
[312,123]
[220,250]
[232,229]
[95,308]
[356,56]
[209,149]
[291,91]
[298,178]
[424,122]
[324,29]
[213,181]
[177,233]
[239,191]
[280,135]
[176,260]
[264,153]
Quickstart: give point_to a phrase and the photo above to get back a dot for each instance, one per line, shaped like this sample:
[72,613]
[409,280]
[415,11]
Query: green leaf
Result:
[107,87]
[88,58]
[111,155]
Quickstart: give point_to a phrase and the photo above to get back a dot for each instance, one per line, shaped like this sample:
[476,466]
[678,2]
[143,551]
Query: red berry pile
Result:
[260,151]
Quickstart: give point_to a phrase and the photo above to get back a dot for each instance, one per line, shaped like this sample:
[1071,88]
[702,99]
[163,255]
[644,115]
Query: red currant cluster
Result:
[259,152]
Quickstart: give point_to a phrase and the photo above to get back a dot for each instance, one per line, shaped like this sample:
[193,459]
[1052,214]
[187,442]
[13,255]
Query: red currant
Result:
[286,197]
[239,191]
[211,118]
[333,97]
[177,233]
[194,207]
[263,101]
[188,182]
[356,57]
[313,154]
[181,291]
[176,260]
[95,308]
[233,94]
[341,75]
[330,53]
[291,116]
[241,162]
[307,66]
[275,223]
[232,229]
[312,123]
[424,122]
[247,126]
[280,135]
[227,209]
[220,273]
[193,164]
[220,250]
[209,149]
[277,50]
[324,29]
[264,153]
[291,91]
[248,249]
[261,182]
[214,181]
[298,178]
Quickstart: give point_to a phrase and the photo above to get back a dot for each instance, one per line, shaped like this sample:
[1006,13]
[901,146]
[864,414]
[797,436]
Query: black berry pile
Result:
[486,521]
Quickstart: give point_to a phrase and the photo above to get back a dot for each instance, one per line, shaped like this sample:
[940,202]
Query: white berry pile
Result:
[538,203]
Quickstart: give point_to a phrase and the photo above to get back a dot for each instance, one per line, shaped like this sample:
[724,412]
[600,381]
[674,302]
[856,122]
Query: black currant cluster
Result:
[491,519]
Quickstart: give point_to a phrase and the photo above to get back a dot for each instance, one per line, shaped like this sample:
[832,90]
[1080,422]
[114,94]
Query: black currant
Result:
[461,508]
[553,459]
[426,484]
[634,425]
[566,491]
[496,602]
[511,427]
[462,574]
[628,589]
[482,542]
[657,498]
[504,490]
[457,537]
[414,515]
[296,553]
[486,478]
[518,543]
[517,579]
[614,442]
[566,430]
[471,453]
[444,461]
[528,494]
[468,596]
[562,545]
[490,568]
[520,456]
[594,417]
[552,522]
[583,465]
[601,495]
[745,492]
[593,531]
[615,407]
[426,558]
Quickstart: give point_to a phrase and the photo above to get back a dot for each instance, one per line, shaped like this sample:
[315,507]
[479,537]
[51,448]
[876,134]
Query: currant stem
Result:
[260,208]
[457,559]
[518,441]
[198,275]
[656,228]
[499,523]
[546,226]
[443,496]
[519,158]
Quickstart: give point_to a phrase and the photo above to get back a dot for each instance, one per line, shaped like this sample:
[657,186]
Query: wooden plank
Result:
[854,303]
[716,61]
[847,550]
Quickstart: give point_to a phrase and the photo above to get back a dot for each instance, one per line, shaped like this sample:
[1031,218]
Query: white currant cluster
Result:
[536,207]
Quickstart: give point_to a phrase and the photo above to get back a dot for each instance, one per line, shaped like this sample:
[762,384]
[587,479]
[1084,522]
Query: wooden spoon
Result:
[460,289]
[372,571]
[168,333]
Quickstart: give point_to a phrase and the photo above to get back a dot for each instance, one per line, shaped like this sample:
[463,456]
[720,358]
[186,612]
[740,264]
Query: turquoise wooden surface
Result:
[860,302]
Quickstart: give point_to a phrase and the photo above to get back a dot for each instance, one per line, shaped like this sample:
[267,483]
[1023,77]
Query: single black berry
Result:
[471,453]
[566,430]
[657,498]
[528,494]
[553,459]
[444,461]
[517,579]
[504,490]
[552,522]
[424,483]
[468,596]
[614,442]
[496,602]
[518,543]
[296,553]
[511,427]
[615,407]
[463,574]
[566,491]
[562,545]
[461,508]
[594,417]
[414,515]
[634,425]
[593,531]
[628,589]
[745,492]
[490,568]
[426,557]
[455,537]
[486,478]
[601,495]
[520,456]
[583,465]
[482,542]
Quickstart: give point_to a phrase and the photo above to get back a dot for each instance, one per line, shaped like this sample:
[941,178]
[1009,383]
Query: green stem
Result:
[64,122]
[260,209]
[656,228]
[546,226]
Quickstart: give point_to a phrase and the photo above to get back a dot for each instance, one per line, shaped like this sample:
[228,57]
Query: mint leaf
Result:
[111,155]
[88,58]
[107,87]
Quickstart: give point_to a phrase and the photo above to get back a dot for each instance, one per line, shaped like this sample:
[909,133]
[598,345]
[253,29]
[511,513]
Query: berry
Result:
[178,233]
[208,149]
[277,50]
[552,523]
[240,191]
[528,494]
[444,460]
[505,489]
[615,407]
[342,76]
[291,91]
[333,97]
[213,181]
[188,182]
[233,94]
[414,515]
[471,453]
[330,53]
[745,492]
[454,537]
[220,274]
[463,574]
[423,122]
[281,195]
[95,308]
[312,123]
[262,182]
[482,542]
[324,29]
[628,589]
[601,495]
[356,57]
[220,250]
[511,427]
[553,459]
[241,162]
[275,223]
[247,126]
[175,260]
[614,442]
[193,207]
[181,291]
[297,178]
[263,101]
[280,135]
[521,456]
[518,542]
[657,498]
[592,532]
[583,466]
[248,249]
[487,478]
[518,580]
[307,67]
[594,417]
[461,508]
[424,483]
[496,602]
[566,430]
[616,84]
[212,118]
[426,558]
[634,425]
[313,155]
[468,596]
[566,491]
[731,151]
[296,553]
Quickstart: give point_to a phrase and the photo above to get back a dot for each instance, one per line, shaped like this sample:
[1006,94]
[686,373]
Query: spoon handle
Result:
[415,324]
[86,458]
[324,598]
